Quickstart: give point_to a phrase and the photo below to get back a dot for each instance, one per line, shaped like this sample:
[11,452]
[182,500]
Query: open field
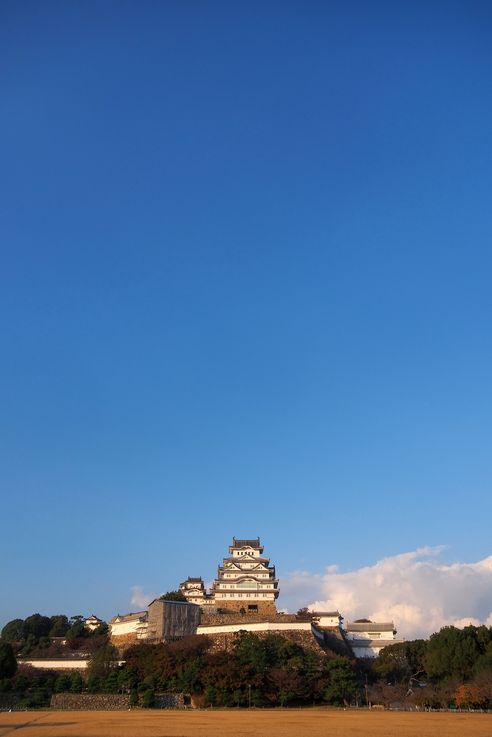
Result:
[264,723]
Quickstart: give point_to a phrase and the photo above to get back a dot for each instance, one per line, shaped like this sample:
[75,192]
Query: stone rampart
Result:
[170,700]
[225,641]
[263,608]
[90,702]
[235,617]
[122,642]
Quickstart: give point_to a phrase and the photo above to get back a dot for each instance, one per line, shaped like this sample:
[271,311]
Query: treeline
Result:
[451,669]
[270,671]
[42,635]
[260,671]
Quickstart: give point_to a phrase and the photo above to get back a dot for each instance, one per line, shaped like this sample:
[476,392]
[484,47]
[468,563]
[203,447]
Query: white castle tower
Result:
[245,581]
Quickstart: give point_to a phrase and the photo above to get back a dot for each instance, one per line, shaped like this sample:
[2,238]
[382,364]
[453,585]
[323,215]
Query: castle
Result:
[242,598]
[245,582]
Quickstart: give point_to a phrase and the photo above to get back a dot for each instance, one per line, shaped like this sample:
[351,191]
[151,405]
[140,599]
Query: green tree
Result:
[36,626]
[8,662]
[452,653]
[173,596]
[76,683]
[342,687]
[103,660]
[62,683]
[111,682]
[402,661]
[93,683]
[101,629]
[483,664]
[13,630]
[59,625]
[77,628]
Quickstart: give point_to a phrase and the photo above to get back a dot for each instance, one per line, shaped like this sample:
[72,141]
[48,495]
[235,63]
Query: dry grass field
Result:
[265,723]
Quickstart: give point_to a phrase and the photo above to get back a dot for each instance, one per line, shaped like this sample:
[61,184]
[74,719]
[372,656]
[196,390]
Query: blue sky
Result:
[244,290]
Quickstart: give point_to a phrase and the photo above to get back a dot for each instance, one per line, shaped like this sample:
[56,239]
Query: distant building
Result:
[243,598]
[126,629]
[245,582]
[92,622]
[194,590]
[163,622]
[367,638]
[326,619]
[172,620]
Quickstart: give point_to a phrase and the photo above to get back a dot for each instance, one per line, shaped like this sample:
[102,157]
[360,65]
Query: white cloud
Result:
[140,598]
[416,590]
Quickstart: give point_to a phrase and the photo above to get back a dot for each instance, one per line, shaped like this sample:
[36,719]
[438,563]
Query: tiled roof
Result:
[246,543]
[370,627]
[238,560]
[325,614]
[132,616]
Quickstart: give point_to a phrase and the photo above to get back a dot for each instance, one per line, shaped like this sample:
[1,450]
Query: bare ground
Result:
[243,723]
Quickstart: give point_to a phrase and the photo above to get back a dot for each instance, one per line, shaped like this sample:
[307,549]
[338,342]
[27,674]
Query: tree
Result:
[101,629]
[8,662]
[303,612]
[471,696]
[484,662]
[173,596]
[452,653]
[342,687]
[288,684]
[59,625]
[36,626]
[93,684]
[77,628]
[76,683]
[62,683]
[402,662]
[102,661]
[13,630]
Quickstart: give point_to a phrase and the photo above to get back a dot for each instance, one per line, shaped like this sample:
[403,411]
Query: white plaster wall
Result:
[127,628]
[371,635]
[57,664]
[328,621]
[60,664]
[220,629]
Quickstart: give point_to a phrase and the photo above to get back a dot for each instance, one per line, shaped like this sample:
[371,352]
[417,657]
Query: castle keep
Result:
[242,598]
[245,582]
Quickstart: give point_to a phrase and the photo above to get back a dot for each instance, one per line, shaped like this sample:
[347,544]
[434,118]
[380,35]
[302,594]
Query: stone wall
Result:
[264,608]
[90,702]
[305,639]
[122,642]
[235,617]
[170,700]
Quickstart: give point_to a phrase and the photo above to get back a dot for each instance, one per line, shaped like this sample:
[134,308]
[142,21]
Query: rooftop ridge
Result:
[241,543]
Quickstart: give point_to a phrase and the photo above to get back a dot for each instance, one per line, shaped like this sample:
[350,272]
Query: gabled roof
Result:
[326,614]
[237,560]
[236,544]
[131,617]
